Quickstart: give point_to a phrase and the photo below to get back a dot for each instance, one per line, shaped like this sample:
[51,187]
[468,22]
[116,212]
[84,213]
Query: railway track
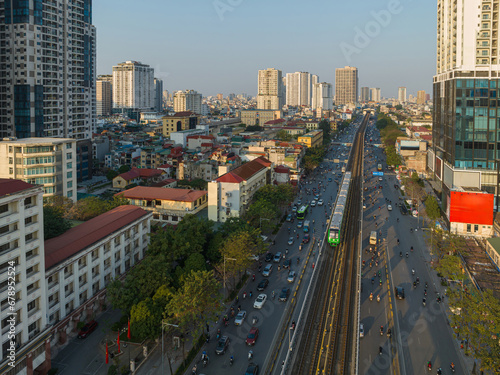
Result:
[328,335]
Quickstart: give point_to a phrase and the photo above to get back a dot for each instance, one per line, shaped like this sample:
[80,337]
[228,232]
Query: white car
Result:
[361,330]
[259,302]
[291,276]
[389,207]
[320,202]
[313,203]
[240,318]
[380,179]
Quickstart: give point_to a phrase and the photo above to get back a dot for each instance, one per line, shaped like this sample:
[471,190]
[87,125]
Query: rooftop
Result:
[10,186]
[167,194]
[39,141]
[245,171]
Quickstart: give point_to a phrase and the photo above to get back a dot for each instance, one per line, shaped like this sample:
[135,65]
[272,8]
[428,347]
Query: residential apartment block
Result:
[82,261]
[402,95]
[158,88]
[133,86]
[180,121]
[322,96]
[271,92]
[230,194]
[104,95]
[47,69]
[346,85]
[188,100]
[21,242]
[298,89]
[50,162]
[168,206]
[258,116]
[311,139]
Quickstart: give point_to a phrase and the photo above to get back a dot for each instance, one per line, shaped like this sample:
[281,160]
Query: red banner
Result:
[118,341]
[471,208]
[107,354]
[128,333]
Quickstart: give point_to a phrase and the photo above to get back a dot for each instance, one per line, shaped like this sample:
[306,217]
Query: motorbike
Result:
[411,249]
[400,254]
[412,271]
[389,333]
[254,320]
[231,360]
[371,296]
[194,370]
[407,255]
[378,297]
[380,282]
[218,334]
[373,280]
[380,350]
[381,330]
[439,371]
[452,368]
[423,301]
[429,365]
[250,355]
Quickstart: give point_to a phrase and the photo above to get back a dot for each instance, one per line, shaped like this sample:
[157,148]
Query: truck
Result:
[306,226]
[373,238]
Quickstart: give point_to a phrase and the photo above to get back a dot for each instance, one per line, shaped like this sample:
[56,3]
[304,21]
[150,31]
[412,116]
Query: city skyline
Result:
[400,52]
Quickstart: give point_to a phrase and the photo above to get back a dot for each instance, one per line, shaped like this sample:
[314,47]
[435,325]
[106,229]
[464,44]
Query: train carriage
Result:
[338,213]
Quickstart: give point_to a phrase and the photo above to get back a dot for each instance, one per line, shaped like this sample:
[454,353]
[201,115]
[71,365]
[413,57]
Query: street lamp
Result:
[224,276]
[163,324]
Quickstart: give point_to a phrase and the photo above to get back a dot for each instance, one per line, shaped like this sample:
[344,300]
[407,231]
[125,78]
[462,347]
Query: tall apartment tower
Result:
[299,88]
[47,69]
[346,85]
[133,86]
[421,97]
[322,96]
[365,94]
[402,94]
[189,100]
[465,96]
[271,91]
[158,88]
[375,94]
[104,95]
[22,251]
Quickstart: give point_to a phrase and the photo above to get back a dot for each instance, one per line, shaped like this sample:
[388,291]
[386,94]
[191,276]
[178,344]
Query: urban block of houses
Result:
[414,153]
[139,176]
[82,261]
[259,116]
[417,131]
[180,121]
[169,206]
[230,194]
[312,139]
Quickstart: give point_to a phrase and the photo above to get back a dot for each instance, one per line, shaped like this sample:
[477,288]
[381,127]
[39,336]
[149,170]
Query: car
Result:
[399,292]
[313,203]
[252,336]
[294,209]
[289,217]
[380,179]
[263,285]
[260,301]
[240,318]
[287,263]
[269,257]
[306,238]
[277,257]
[389,207]
[252,369]
[87,329]
[320,202]
[329,179]
[316,197]
[291,276]
[285,292]
[290,240]
[364,205]
[299,203]
[267,270]
[222,345]
[361,330]
[299,224]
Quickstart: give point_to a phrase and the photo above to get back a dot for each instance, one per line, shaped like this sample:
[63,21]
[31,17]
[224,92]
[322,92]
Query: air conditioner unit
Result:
[228,194]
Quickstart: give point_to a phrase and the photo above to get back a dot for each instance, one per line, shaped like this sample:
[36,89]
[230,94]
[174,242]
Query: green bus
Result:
[301,212]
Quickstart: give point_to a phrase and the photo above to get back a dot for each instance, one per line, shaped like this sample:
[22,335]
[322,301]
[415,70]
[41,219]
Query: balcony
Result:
[68,293]
[53,303]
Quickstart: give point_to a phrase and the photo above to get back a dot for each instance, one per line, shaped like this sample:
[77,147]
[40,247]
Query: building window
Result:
[70,194]
[69,174]
[68,146]
[69,165]
[69,184]
[4,208]
[68,156]
[476,228]
[468,228]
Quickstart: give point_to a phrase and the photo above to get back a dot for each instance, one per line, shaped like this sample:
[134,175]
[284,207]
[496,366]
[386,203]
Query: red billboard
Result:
[471,208]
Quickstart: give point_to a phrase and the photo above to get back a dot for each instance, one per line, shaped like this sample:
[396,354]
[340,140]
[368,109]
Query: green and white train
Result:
[338,214]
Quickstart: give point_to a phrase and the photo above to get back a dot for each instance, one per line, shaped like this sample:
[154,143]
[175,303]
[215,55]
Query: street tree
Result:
[262,214]
[432,207]
[54,224]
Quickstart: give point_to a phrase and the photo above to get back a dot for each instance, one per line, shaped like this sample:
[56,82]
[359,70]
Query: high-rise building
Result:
[220,96]
[402,94]
[375,94]
[427,97]
[133,86]
[365,94]
[299,88]
[22,248]
[188,100]
[346,85]
[47,69]
[270,89]
[465,92]
[158,88]
[421,97]
[104,95]
[322,96]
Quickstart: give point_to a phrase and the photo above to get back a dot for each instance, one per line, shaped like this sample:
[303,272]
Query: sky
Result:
[218,46]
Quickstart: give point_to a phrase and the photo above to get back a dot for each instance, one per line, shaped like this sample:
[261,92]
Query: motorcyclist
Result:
[231,360]
[452,367]
[380,350]
[204,356]
[250,354]
[429,365]
[439,371]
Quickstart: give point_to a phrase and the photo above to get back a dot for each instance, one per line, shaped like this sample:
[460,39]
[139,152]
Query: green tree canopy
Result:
[111,175]
[432,207]
[282,135]
[124,169]
[54,224]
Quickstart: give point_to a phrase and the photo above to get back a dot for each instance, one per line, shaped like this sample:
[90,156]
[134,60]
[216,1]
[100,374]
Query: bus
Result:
[379,167]
[301,212]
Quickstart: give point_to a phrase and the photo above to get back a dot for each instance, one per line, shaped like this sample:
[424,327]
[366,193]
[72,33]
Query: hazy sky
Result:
[217,46]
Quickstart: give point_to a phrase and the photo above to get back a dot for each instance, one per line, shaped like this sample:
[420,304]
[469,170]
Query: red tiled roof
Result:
[82,236]
[282,169]
[245,171]
[273,122]
[165,166]
[141,172]
[426,137]
[167,194]
[183,114]
[231,178]
[9,186]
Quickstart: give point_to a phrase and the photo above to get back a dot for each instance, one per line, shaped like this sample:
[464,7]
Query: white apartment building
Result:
[133,86]
[271,93]
[47,69]
[365,94]
[322,96]
[188,100]
[104,95]
[230,194]
[375,94]
[299,88]
[402,94]
[82,261]
[346,85]
[50,162]
[21,242]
